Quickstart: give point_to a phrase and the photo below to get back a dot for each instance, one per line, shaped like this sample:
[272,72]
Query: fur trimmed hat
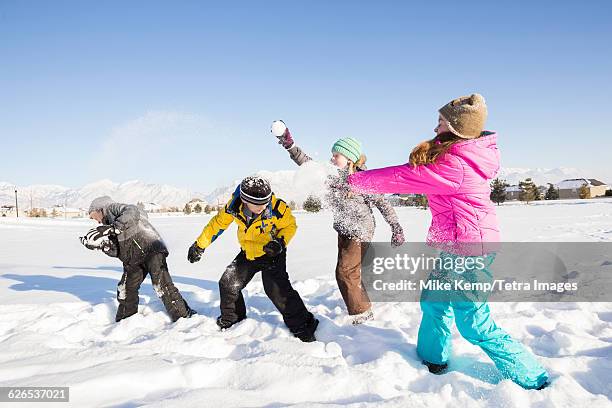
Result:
[465,116]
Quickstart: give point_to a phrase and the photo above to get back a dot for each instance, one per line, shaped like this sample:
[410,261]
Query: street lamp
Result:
[16,203]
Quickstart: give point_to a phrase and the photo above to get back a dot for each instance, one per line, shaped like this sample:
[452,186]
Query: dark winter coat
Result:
[353,216]
[138,238]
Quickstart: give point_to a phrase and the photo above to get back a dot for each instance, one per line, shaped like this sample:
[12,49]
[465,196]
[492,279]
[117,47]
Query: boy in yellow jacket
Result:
[265,227]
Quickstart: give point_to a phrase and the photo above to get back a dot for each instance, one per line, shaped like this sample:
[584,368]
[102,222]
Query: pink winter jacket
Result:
[457,187]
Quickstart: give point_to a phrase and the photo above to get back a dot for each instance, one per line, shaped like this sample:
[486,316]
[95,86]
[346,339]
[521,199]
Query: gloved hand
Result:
[195,253]
[397,235]
[97,237]
[274,248]
[110,249]
[282,133]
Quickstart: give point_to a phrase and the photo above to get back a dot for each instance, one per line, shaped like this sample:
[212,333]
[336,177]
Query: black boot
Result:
[306,331]
[541,387]
[190,312]
[226,324]
[436,368]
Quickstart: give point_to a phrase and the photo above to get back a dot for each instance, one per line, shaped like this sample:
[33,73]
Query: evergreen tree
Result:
[197,209]
[529,191]
[584,192]
[292,205]
[187,209]
[207,209]
[421,201]
[312,204]
[498,191]
[140,206]
[537,194]
[552,193]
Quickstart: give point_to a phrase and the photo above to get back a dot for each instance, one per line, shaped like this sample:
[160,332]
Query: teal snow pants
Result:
[471,312]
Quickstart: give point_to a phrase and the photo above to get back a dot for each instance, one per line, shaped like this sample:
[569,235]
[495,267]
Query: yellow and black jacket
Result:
[275,222]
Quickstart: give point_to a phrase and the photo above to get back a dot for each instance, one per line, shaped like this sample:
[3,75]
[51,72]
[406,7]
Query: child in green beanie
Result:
[353,218]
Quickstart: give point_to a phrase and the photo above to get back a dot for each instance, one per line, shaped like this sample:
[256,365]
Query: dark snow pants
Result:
[276,285]
[348,275]
[133,276]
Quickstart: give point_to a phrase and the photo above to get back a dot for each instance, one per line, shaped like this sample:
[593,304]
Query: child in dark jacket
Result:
[353,218]
[127,234]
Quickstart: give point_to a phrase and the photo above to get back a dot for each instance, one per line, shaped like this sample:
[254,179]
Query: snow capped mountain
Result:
[129,192]
[289,185]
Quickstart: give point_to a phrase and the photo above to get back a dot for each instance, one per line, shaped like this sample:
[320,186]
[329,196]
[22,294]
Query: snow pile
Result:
[57,326]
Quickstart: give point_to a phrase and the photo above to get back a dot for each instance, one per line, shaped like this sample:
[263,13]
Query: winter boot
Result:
[226,324]
[306,331]
[190,312]
[362,317]
[436,368]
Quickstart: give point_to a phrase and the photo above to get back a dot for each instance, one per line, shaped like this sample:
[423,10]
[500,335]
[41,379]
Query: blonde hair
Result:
[430,151]
[358,165]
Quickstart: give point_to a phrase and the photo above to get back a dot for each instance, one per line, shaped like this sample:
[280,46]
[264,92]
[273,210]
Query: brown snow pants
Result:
[348,274]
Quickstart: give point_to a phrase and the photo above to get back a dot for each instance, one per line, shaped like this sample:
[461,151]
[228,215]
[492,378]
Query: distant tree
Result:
[421,201]
[38,212]
[584,191]
[608,193]
[54,213]
[197,209]
[292,205]
[312,204]
[498,191]
[187,209]
[537,196]
[140,205]
[207,209]
[552,193]
[528,190]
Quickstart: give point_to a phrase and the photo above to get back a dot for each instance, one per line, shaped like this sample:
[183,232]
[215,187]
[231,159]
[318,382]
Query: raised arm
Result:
[282,133]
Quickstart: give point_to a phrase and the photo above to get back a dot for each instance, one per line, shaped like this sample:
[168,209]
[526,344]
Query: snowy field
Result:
[57,307]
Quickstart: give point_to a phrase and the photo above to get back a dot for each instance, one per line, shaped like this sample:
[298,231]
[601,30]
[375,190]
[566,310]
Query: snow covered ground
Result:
[57,326]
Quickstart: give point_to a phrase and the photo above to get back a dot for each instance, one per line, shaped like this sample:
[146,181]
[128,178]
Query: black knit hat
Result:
[255,190]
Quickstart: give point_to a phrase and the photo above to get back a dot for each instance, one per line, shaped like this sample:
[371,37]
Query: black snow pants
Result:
[276,285]
[134,274]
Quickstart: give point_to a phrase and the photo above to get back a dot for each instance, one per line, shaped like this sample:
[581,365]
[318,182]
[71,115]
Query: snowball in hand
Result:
[278,128]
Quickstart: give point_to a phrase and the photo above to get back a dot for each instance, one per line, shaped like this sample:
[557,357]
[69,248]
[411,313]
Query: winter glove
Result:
[195,253]
[110,249]
[397,235]
[282,133]
[97,237]
[274,248]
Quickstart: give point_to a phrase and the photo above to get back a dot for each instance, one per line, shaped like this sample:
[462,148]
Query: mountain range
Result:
[293,185]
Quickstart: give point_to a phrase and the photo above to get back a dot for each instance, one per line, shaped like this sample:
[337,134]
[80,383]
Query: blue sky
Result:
[184,92]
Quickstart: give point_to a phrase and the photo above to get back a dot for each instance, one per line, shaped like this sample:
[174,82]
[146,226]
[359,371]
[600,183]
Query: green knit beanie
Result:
[348,147]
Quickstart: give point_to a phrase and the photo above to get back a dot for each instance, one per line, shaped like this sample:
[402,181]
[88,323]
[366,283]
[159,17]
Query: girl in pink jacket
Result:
[453,169]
